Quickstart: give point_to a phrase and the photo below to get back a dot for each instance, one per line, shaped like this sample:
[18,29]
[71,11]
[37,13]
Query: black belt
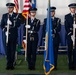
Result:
[32,32]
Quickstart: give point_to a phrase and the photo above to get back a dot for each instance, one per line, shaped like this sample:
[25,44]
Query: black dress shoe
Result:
[30,68]
[12,68]
[71,68]
[8,68]
[33,68]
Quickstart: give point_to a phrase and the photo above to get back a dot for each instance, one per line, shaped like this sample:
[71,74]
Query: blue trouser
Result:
[10,52]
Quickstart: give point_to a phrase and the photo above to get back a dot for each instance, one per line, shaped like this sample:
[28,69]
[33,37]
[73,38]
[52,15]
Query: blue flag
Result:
[33,3]
[48,53]
[2,42]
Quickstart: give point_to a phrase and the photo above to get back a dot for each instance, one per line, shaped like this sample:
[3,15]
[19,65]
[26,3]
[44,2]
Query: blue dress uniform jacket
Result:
[13,29]
[13,34]
[69,32]
[56,27]
[32,42]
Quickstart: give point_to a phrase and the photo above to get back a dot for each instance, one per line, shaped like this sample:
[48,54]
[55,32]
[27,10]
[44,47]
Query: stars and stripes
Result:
[27,5]
[16,5]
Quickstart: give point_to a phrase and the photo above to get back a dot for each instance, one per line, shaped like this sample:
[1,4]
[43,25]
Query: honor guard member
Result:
[56,25]
[69,20]
[32,38]
[10,22]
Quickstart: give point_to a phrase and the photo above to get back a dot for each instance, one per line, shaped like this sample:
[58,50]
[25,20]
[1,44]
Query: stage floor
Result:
[20,68]
[43,74]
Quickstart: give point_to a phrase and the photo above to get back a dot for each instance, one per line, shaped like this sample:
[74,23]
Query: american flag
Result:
[27,5]
[16,5]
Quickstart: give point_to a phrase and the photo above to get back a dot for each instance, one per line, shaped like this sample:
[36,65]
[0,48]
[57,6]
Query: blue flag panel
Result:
[33,3]
[48,53]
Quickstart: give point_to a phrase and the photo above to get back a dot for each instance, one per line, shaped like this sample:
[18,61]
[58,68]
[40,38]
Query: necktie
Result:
[73,15]
[31,20]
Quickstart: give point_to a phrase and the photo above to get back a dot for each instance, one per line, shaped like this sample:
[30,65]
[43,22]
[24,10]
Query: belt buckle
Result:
[31,38]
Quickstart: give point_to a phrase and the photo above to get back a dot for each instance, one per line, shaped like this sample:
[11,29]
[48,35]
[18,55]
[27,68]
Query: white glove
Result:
[9,22]
[7,33]
[72,37]
[74,25]
[27,26]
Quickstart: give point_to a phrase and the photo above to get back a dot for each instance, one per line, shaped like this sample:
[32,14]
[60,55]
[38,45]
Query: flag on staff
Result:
[27,5]
[25,13]
[33,3]
[48,53]
[16,5]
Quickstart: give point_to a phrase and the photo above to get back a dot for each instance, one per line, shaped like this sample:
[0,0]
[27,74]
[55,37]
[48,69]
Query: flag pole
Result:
[48,54]
[26,37]
[48,28]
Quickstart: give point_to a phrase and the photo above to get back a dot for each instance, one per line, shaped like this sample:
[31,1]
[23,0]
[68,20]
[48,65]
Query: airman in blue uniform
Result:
[32,39]
[12,19]
[56,25]
[69,20]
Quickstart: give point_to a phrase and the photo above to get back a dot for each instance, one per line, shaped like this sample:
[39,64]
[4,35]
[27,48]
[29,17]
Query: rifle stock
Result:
[73,36]
[7,32]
